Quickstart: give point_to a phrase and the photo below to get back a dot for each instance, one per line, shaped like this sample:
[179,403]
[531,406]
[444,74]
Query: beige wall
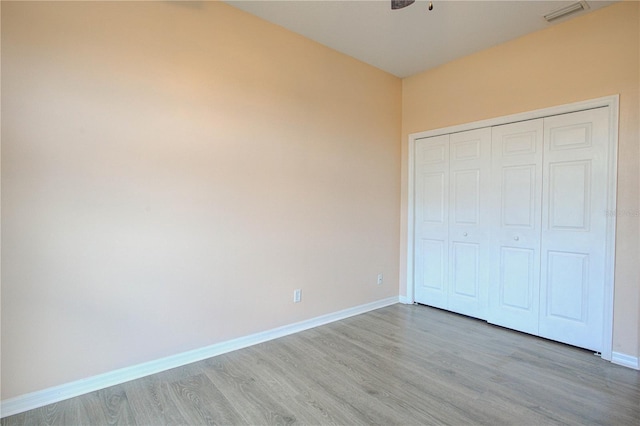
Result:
[171,173]
[588,57]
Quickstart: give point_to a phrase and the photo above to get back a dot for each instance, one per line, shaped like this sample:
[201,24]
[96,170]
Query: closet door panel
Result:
[432,269]
[569,195]
[469,170]
[431,221]
[567,290]
[574,228]
[465,277]
[518,197]
[516,194]
[517,272]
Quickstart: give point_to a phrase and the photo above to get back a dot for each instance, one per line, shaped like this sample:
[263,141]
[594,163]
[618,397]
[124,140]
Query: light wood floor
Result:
[397,365]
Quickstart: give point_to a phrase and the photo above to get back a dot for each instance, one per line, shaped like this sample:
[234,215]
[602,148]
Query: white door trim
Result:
[612,102]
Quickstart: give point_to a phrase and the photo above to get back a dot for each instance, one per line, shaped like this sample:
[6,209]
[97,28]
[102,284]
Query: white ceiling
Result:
[410,40]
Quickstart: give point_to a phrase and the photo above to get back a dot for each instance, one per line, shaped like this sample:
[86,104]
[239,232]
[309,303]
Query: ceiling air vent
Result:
[567,10]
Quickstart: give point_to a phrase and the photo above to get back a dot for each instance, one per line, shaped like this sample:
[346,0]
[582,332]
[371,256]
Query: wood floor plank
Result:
[151,400]
[248,395]
[396,365]
[405,386]
[324,406]
[108,406]
[63,413]
[15,420]
[350,393]
[201,402]
[282,385]
[386,381]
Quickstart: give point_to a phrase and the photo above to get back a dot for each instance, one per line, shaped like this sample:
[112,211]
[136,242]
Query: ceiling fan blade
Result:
[399,4]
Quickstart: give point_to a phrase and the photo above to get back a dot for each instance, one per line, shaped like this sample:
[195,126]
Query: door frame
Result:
[612,102]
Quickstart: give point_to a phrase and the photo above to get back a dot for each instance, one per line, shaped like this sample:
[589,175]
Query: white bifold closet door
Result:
[432,221]
[452,230]
[548,238]
[574,223]
[516,190]
[469,180]
[510,225]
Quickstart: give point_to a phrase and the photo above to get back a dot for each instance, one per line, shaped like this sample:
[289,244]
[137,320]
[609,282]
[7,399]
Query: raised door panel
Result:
[431,268]
[433,195]
[567,286]
[518,196]
[431,221]
[516,191]
[516,279]
[465,197]
[574,228]
[469,171]
[569,195]
[465,277]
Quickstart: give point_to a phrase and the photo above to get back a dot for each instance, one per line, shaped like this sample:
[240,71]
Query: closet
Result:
[510,224]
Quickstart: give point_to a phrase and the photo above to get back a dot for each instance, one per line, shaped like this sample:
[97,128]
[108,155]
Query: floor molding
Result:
[406,300]
[54,394]
[625,360]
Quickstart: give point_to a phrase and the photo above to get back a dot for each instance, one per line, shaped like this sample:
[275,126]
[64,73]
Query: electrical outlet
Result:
[297,295]
[380,279]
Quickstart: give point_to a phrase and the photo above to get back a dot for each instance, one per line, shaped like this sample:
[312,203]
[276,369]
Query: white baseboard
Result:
[625,360]
[405,300]
[48,396]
